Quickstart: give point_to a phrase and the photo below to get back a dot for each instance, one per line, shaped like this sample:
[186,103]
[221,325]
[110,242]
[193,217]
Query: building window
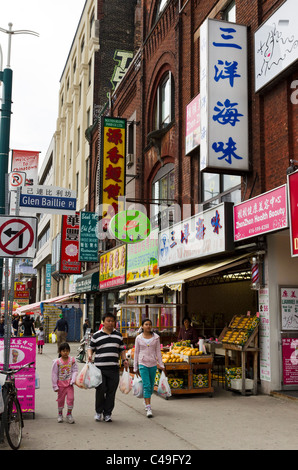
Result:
[78,137]
[229,13]
[89,72]
[163,106]
[218,188]
[82,46]
[162,194]
[91,23]
[87,172]
[161,6]
[70,152]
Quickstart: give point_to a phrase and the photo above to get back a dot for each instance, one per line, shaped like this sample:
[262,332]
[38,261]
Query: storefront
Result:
[88,288]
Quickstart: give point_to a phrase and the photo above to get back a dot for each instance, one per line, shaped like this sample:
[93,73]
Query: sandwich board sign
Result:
[17,237]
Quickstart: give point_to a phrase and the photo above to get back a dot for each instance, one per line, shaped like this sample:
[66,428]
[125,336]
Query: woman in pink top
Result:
[147,356]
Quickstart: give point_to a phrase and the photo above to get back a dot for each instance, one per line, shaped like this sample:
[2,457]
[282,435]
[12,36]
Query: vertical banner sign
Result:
[69,256]
[293,211]
[48,278]
[113,168]
[88,237]
[26,161]
[193,125]
[224,97]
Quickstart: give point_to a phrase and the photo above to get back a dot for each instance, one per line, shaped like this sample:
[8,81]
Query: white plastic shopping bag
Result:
[137,386]
[93,377]
[81,377]
[163,389]
[125,383]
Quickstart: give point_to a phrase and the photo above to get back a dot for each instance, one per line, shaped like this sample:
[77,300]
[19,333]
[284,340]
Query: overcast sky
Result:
[37,64]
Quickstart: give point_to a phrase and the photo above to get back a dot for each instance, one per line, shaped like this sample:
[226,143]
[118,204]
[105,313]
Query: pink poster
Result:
[22,351]
[290,361]
[293,209]
[261,214]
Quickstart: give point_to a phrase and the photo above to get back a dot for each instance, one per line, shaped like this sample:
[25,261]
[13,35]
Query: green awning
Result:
[88,283]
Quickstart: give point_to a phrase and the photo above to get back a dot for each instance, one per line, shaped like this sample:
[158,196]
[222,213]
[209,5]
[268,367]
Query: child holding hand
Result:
[64,373]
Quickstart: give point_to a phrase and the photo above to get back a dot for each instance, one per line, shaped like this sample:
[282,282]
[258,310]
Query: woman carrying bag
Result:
[147,356]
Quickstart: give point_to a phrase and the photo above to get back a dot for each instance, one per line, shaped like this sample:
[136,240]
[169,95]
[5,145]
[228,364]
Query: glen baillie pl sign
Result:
[49,199]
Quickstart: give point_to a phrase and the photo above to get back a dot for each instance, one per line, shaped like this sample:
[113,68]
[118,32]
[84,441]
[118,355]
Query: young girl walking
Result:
[147,356]
[64,373]
[40,341]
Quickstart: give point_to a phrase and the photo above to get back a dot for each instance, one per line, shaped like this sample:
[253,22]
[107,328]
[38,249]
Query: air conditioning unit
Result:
[129,160]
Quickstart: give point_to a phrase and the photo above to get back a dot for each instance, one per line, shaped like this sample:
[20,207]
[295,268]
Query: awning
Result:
[175,279]
[87,283]
[36,306]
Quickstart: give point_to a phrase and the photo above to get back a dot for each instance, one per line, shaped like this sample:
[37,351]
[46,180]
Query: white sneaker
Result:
[108,418]
[60,419]
[149,413]
[70,419]
[98,416]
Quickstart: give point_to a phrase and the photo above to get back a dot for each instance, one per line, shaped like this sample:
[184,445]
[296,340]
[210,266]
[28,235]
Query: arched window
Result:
[164,102]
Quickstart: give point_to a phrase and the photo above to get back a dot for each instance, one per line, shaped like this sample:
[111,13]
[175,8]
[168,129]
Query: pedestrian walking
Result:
[146,357]
[15,324]
[62,330]
[40,341]
[108,347]
[64,373]
[28,324]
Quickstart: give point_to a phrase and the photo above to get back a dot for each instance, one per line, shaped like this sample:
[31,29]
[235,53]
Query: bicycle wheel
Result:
[12,421]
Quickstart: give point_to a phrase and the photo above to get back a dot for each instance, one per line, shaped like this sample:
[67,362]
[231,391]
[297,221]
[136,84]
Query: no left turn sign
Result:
[17,237]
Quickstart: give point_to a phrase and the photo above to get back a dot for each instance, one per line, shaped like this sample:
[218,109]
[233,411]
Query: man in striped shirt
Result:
[108,347]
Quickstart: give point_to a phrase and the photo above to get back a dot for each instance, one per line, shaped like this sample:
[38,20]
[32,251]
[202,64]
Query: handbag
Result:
[163,389]
[93,377]
[137,386]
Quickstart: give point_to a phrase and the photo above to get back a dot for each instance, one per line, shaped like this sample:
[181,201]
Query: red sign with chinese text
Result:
[293,211]
[69,255]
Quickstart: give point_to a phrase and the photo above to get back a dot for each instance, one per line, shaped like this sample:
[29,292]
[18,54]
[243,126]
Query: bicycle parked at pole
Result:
[11,418]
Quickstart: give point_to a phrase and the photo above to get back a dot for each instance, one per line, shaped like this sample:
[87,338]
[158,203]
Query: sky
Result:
[37,64]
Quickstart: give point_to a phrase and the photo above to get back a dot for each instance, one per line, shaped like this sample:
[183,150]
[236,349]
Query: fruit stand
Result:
[188,370]
[242,336]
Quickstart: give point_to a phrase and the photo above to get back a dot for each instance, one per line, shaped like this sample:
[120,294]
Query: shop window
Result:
[218,188]
[163,105]
[163,193]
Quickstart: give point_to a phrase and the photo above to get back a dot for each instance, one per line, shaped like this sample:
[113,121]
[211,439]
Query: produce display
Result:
[170,357]
[240,329]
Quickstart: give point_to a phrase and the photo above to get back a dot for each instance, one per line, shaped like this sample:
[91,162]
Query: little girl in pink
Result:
[64,373]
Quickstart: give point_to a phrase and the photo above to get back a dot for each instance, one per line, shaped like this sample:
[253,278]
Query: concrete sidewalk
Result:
[184,422]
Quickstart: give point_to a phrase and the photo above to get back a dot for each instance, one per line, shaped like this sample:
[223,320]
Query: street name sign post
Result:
[48,199]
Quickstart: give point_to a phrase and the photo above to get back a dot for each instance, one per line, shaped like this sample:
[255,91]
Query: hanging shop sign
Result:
[48,278]
[88,237]
[193,125]
[48,199]
[112,268]
[69,254]
[224,97]
[293,211]
[113,138]
[261,214]
[142,259]
[130,226]
[204,234]
[276,44]
[289,308]
[26,161]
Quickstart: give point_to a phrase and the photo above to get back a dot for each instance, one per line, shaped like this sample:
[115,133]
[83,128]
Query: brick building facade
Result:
[162,80]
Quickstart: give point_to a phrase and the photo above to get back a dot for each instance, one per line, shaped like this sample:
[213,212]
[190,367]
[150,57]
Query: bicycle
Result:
[12,418]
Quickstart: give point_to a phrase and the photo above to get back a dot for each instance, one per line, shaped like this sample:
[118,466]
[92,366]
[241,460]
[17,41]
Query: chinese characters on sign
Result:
[142,259]
[289,308]
[261,214]
[193,125]
[112,268]
[69,256]
[88,237]
[264,335]
[113,167]
[204,234]
[48,199]
[224,99]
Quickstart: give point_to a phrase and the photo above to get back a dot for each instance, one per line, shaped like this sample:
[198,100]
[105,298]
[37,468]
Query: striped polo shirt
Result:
[107,348]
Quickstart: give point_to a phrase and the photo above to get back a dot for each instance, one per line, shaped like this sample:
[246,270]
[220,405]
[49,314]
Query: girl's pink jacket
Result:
[147,354]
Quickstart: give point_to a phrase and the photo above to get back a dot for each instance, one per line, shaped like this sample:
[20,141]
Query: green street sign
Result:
[130,226]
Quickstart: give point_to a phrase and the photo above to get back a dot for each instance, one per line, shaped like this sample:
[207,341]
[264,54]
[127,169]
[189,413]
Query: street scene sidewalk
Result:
[186,422]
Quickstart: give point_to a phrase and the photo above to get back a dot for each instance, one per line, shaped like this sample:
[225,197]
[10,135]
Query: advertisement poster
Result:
[142,259]
[88,237]
[261,214]
[69,256]
[22,351]
[264,335]
[289,308]
[113,167]
[293,211]
[193,125]
[290,361]
[112,268]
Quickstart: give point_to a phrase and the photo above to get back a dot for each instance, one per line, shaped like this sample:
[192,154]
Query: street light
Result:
[6,79]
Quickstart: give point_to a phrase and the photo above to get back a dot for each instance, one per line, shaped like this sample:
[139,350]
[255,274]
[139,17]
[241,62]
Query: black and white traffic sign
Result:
[16,180]
[17,237]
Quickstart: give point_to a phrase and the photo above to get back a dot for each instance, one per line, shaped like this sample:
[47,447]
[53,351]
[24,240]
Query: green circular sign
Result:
[130,226]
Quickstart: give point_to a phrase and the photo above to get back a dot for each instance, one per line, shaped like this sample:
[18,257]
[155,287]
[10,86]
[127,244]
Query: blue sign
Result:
[48,199]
